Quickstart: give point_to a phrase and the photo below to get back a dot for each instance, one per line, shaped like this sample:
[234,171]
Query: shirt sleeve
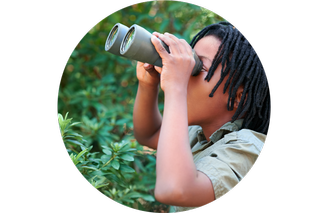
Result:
[228,161]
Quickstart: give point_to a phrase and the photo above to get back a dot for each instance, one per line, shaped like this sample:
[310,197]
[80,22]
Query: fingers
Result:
[147,66]
[158,46]
[176,45]
[170,40]
[152,70]
[180,50]
[187,47]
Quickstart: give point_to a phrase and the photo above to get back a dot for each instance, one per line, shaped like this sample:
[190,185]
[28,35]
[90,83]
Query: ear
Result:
[238,96]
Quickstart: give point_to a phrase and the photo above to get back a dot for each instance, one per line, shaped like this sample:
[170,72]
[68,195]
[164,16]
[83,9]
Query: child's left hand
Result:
[177,65]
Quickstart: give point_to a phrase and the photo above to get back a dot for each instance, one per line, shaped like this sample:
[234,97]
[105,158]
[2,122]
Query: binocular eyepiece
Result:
[135,43]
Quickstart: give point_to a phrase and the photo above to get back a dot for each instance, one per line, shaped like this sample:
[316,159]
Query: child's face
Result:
[203,109]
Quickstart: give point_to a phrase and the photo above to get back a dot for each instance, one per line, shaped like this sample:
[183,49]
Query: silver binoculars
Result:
[135,43]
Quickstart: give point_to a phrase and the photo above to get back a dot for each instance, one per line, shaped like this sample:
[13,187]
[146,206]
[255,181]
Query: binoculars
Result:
[135,43]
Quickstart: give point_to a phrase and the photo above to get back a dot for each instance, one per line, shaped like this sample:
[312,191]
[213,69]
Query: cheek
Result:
[198,91]
[195,86]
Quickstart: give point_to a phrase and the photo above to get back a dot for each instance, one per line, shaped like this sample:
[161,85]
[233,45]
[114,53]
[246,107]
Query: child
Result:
[213,125]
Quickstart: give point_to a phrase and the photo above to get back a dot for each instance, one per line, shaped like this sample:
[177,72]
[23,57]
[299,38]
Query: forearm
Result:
[146,116]
[175,166]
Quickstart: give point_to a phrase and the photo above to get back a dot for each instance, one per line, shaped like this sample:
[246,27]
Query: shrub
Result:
[111,171]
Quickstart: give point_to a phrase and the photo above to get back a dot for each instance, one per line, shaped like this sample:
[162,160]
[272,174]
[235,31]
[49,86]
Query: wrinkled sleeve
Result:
[227,162]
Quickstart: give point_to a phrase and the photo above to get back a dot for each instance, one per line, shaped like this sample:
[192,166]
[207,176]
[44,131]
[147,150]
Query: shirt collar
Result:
[217,135]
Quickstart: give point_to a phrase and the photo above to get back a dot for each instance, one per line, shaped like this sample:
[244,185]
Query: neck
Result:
[210,128]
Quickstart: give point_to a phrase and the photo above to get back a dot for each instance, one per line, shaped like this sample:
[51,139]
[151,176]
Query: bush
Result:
[111,171]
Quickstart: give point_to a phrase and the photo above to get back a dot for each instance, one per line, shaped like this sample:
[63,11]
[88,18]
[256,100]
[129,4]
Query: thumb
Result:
[159,47]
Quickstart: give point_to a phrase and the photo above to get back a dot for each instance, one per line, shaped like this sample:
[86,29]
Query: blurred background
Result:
[98,89]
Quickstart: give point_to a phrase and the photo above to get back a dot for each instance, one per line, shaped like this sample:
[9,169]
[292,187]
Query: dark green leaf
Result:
[139,164]
[126,157]
[107,151]
[126,148]
[125,168]
[73,142]
[105,158]
[148,198]
[127,200]
[115,164]
[133,195]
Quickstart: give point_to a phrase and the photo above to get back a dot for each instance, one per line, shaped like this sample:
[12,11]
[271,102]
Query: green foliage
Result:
[99,88]
[110,171]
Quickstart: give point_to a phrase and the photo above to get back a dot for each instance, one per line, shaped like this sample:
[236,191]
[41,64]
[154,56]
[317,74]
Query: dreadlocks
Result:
[240,61]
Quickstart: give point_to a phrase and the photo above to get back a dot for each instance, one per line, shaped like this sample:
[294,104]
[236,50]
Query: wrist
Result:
[177,93]
[149,92]
[148,86]
[176,90]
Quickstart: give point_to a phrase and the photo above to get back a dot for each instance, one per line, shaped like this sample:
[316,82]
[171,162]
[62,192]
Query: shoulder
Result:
[247,136]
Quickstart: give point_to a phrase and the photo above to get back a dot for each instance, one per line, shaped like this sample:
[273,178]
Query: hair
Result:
[240,61]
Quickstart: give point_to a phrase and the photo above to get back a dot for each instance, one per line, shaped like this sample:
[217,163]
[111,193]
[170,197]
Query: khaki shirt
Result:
[227,157]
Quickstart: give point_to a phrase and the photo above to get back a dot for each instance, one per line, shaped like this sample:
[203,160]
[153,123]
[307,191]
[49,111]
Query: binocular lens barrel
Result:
[115,37]
[127,40]
[135,43]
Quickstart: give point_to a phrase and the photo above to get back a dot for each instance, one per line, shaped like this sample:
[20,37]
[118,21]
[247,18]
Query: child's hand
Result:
[177,65]
[147,75]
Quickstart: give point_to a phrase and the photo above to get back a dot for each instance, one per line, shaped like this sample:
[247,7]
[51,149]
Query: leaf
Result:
[148,197]
[75,123]
[60,118]
[128,200]
[66,116]
[122,121]
[102,185]
[107,151]
[105,158]
[126,157]
[81,153]
[74,142]
[73,158]
[115,164]
[73,135]
[133,195]
[125,147]
[126,168]
[89,167]
[139,165]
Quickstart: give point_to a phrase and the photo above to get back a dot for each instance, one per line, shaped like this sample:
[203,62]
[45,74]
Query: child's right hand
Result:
[147,75]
